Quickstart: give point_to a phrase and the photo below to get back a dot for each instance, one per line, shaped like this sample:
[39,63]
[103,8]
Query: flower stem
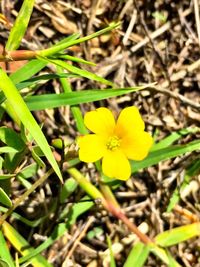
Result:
[108,201]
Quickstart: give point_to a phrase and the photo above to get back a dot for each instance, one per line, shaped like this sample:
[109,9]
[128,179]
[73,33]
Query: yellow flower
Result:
[115,142]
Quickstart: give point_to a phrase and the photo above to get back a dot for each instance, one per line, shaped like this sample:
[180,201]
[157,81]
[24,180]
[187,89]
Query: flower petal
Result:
[116,165]
[100,121]
[129,120]
[92,148]
[136,145]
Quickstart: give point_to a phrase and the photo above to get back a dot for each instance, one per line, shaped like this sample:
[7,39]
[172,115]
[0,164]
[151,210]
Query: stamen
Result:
[113,143]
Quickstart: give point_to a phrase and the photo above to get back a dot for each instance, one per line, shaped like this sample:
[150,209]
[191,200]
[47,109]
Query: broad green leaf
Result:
[4,198]
[137,256]
[40,102]
[83,73]
[23,246]
[15,100]
[20,25]
[164,154]
[11,138]
[5,253]
[28,171]
[178,234]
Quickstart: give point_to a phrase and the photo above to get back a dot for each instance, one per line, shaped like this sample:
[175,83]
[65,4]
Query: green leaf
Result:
[83,73]
[164,154]
[164,255]
[15,100]
[6,176]
[112,259]
[170,139]
[40,102]
[20,25]
[4,198]
[24,73]
[67,189]
[27,71]
[68,43]
[137,256]
[76,59]
[45,77]
[28,171]
[4,263]
[7,149]
[5,257]
[23,246]
[11,138]
[178,235]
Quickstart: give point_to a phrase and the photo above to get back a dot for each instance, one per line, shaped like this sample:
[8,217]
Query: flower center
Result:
[113,143]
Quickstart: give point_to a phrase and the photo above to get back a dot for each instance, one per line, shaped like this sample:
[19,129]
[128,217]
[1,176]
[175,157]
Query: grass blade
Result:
[23,246]
[40,102]
[83,73]
[164,154]
[20,25]
[137,256]
[4,251]
[178,234]
[16,101]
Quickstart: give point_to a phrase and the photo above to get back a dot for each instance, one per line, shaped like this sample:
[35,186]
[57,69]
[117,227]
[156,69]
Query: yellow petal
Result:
[116,165]
[136,146]
[92,148]
[129,120]
[100,121]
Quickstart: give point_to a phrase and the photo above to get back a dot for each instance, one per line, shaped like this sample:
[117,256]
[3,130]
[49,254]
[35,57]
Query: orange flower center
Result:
[113,143]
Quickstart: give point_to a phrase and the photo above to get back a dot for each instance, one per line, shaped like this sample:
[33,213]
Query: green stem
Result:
[109,202]
[90,189]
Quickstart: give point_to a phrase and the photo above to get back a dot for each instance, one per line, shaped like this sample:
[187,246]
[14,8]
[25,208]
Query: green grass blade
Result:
[112,258]
[178,234]
[76,59]
[24,73]
[137,256]
[40,102]
[20,25]
[15,100]
[63,45]
[83,73]
[164,154]
[23,246]
[164,255]
[27,71]
[169,140]
[4,251]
